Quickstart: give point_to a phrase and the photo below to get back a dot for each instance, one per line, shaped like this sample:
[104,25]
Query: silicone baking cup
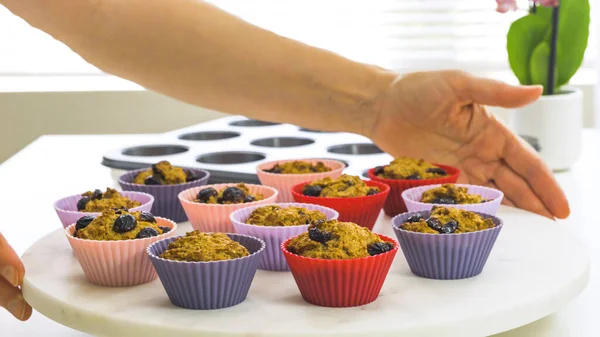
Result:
[117,263]
[166,203]
[273,258]
[215,217]
[362,211]
[208,285]
[284,182]
[412,199]
[67,212]
[340,283]
[394,204]
[446,256]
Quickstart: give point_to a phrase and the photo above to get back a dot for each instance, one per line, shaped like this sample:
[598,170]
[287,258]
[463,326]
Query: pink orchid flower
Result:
[504,6]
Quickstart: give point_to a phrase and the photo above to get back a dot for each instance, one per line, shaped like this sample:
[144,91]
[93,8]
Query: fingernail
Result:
[10,274]
[17,307]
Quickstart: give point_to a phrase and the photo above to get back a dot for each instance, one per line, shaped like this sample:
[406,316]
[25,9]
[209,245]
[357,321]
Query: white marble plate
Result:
[536,267]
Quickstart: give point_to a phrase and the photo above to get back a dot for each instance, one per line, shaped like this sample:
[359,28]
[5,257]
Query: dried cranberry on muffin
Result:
[298,167]
[229,195]
[343,187]
[452,195]
[96,201]
[118,224]
[163,173]
[444,220]
[409,169]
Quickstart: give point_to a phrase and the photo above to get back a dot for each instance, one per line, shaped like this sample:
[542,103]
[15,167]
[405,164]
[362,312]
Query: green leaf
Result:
[538,66]
[573,33]
[523,36]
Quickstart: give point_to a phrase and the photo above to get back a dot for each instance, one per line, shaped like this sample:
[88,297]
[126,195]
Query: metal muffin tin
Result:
[230,148]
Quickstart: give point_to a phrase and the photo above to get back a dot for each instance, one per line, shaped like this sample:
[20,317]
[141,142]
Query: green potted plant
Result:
[547,47]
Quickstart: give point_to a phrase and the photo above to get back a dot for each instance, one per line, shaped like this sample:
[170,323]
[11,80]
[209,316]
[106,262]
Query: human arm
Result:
[197,53]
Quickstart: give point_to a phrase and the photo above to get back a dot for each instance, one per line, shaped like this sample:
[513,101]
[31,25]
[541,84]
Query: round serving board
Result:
[536,267]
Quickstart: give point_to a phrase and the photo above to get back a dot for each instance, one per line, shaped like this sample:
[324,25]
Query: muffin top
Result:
[444,220]
[229,195]
[409,169]
[163,173]
[335,240]
[276,216]
[196,246]
[118,224]
[97,201]
[451,194]
[342,187]
[298,167]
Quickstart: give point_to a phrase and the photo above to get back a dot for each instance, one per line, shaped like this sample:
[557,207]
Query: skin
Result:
[199,54]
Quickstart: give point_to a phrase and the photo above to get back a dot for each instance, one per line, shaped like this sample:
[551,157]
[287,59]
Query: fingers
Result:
[472,89]
[519,192]
[11,267]
[505,201]
[523,160]
[12,299]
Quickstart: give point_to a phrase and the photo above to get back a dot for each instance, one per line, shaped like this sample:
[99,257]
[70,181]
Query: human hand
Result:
[440,117]
[11,278]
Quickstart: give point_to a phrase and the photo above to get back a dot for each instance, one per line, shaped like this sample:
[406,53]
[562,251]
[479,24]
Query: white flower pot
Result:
[553,125]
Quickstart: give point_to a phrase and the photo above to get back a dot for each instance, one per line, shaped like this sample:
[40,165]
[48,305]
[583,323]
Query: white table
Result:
[55,166]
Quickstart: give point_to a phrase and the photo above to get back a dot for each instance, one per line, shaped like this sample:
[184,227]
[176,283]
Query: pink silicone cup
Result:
[117,263]
[413,195]
[66,208]
[284,182]
[215,217]
[273,258]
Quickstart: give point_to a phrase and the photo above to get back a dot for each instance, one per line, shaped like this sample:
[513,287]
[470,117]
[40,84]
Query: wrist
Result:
[376,98]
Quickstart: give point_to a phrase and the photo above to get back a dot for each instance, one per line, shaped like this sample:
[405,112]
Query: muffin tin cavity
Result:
[209,135]
[251,123]
[282,142]
[154,150]
[231,157]
[355,149]
[313,131]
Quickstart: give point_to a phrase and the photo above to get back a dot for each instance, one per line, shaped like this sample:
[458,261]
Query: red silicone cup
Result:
[362,211]
[340,283]
[394,204]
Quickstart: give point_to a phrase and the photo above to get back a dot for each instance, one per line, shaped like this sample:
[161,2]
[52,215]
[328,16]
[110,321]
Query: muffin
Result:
[116,225]
[356,200]
[165,182]
[97,202]
[205,271]
[111,247]
[446,243]
[300,170]
[72,208]
[204,247]
[237,194]
[404,173]
[213,216]
[468,197]
[277,216]
[275,224]
[339,264]
[163,173]
[344,186]
[298,167]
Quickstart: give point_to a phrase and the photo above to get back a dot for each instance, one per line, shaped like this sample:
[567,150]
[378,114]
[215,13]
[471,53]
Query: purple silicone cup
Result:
[273,258]
[208,285]
[66,208]
[446,256]
[413,195]
[166,202]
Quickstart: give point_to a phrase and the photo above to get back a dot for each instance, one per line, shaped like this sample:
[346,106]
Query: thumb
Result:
[486,91]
